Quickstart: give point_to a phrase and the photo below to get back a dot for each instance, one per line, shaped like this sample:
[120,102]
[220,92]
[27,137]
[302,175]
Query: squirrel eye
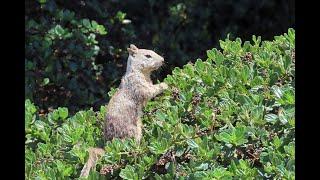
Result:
[148,56]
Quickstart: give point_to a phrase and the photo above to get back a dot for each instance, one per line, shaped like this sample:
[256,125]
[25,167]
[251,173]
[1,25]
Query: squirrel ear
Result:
[132,46]
[132,49]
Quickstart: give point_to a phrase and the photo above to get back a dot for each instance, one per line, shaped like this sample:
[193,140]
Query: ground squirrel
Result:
[125,107]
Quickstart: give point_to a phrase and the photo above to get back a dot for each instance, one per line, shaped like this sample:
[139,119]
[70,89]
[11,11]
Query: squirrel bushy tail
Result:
[94,155]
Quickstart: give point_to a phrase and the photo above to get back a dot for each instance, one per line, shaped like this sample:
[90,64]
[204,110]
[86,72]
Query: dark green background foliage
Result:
[76,50]
[229,116]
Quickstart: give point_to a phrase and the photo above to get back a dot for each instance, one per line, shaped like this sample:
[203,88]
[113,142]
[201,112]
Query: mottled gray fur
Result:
[125,107]
[136,88]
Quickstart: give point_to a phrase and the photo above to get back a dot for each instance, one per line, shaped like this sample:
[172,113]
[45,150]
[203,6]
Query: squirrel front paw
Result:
[164,86]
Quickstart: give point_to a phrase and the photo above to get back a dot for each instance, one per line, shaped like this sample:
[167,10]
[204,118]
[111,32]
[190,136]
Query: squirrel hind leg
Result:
[94,155]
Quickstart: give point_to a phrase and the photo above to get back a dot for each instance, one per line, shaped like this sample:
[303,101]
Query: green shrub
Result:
[228,117]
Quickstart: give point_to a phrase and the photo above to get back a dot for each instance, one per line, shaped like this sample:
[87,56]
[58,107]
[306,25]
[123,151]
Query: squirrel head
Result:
[143,60]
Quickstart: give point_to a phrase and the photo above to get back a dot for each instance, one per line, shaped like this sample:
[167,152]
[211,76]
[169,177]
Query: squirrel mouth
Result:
[159,65]
[156,67]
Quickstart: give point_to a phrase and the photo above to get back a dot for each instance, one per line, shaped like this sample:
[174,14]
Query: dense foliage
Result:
[61,57]
[230,116]
[76,50]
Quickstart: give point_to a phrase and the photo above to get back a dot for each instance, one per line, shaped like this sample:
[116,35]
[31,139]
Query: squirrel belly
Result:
[124,112]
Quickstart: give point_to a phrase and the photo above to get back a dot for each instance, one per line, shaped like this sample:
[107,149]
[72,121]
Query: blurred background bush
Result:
[75,51]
